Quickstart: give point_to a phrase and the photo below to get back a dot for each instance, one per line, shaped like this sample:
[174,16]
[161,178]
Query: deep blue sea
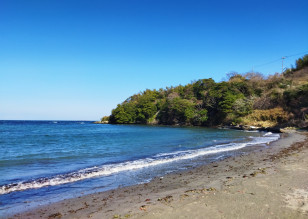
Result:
[47,161]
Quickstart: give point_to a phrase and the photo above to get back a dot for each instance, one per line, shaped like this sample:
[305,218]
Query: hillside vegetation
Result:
[245,99]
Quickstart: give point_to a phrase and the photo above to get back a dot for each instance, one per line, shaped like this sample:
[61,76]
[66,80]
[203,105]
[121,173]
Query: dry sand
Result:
[269,183]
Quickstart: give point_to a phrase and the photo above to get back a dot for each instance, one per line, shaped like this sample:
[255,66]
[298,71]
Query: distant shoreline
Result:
[237,127]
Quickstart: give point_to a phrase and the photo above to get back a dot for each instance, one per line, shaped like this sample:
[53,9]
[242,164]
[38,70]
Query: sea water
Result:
[48,161]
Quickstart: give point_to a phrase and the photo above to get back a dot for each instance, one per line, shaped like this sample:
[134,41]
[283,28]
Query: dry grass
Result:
[266,118]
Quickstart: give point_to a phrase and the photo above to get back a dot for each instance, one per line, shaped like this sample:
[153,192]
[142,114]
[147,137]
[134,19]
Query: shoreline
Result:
[180,194]
[275,129]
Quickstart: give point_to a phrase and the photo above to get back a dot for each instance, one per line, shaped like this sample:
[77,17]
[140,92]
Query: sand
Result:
[271,182]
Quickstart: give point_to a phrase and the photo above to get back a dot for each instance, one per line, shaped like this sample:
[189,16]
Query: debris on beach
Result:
[55,215]
[184,196]
[255,173]
[204,190]
[166,199]
[121,217]
[211,189]
[143,208]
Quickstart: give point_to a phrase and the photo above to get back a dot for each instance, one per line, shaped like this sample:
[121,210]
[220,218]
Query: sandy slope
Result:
[269,183]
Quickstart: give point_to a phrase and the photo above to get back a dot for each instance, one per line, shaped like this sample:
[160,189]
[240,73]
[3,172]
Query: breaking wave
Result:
[109,169]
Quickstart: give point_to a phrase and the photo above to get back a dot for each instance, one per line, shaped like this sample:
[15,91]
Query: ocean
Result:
[47,161]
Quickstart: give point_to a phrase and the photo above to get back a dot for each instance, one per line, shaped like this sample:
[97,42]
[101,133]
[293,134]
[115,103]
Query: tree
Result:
[177,111]
[202,85]
[302,62]
[124,114]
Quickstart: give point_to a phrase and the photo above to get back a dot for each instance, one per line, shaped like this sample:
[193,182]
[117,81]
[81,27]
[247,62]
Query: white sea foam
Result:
[109,169]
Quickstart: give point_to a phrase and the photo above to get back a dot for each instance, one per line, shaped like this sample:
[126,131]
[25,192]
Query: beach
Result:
[153,109]
[269,183]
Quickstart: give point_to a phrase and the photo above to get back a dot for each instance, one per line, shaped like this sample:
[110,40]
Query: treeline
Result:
[280,99]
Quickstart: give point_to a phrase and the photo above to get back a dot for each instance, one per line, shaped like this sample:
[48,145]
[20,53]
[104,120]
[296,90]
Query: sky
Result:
[78,59]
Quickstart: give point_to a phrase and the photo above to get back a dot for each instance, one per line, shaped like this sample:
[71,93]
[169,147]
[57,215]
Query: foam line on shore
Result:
[109,169]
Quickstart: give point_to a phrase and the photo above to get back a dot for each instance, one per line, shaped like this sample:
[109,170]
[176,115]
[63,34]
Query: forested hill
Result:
[247,99]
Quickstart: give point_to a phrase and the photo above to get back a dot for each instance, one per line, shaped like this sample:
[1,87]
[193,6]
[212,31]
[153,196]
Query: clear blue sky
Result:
[73,59]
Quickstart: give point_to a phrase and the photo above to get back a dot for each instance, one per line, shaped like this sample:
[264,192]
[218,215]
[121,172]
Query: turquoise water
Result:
[46,161]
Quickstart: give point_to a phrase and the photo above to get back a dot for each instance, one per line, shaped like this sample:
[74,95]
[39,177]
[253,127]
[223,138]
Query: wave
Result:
[109,169]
